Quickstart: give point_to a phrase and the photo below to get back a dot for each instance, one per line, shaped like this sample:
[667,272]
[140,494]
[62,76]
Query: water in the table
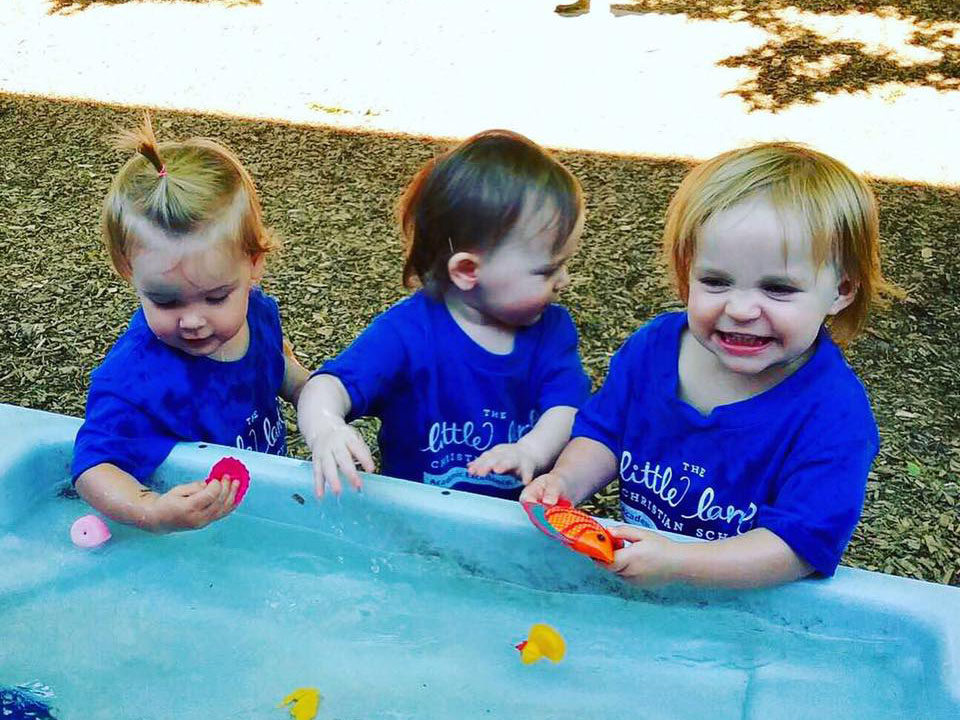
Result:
[224,622]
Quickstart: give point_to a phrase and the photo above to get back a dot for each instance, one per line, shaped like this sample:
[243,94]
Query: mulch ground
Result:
[329,195]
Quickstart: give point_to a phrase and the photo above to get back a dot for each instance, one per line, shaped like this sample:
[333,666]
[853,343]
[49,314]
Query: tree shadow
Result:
[69,7]
[798,64]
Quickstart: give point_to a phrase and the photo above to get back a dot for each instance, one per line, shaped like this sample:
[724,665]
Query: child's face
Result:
[195,299]
[518,279]
[754,308]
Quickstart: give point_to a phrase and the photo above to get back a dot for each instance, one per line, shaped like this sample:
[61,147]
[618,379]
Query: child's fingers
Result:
[330,476]
[224,489]
[502,465]
[211,491]
[619,564]
[514,464]
[202,502]
[478,467]
[532,492]
[188,489]
[231,499]
[228,507]
[218,508]
[526,475]
[552,492]
[628,532]
[318,481]
[361,452]
[226,500]
[346,465]
[493,460]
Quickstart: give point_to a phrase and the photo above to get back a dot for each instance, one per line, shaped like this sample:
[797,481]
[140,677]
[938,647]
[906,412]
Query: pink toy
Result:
[89,531]
[236,470]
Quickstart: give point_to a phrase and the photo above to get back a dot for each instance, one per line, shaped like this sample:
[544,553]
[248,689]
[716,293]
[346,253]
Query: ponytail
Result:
[180,188]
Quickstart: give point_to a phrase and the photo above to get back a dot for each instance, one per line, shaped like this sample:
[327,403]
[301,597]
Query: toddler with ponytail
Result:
[204,358]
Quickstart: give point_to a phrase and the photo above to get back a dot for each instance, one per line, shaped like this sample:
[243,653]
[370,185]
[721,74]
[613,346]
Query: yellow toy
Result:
[543,641]
[306,702]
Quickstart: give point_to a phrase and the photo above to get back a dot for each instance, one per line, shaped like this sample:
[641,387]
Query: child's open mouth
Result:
[742,343]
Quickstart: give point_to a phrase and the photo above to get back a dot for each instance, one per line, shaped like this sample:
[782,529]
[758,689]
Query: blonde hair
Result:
[837,206]
[180,188]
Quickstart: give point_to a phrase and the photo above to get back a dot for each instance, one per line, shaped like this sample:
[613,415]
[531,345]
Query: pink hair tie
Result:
[163,171]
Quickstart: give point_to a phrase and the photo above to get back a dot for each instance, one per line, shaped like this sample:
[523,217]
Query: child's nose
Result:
[742,306]
[563,279]
[191,321]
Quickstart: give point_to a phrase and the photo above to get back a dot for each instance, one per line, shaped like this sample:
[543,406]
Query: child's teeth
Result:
[744,339]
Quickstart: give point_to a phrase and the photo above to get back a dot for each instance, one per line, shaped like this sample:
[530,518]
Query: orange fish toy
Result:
[574,528]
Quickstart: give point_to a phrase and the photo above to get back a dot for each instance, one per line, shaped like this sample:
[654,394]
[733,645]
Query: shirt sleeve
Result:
[562,379]
[267,312]
[373,364]
[118,432]
[601,416]
[820,500]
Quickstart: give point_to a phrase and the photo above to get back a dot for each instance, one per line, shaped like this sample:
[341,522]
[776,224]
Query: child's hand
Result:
[511,458]
[193,505]
[335,451]
[546,489]
[650,559]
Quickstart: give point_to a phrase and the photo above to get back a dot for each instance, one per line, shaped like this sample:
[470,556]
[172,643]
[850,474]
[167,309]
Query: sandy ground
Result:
[645,84]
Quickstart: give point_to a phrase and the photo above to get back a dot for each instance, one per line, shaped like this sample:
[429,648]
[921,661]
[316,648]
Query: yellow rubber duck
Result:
[306,702]
[542,641]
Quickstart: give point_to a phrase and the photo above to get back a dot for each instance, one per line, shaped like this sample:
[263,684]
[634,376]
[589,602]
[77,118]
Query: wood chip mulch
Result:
[329,195]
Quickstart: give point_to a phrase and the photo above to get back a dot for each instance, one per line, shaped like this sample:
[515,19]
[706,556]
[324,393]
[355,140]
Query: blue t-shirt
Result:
[443,400]
[793,459]
[146,396]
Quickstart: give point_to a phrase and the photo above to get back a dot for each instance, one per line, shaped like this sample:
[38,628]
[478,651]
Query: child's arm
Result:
[337,447]
[295,375]
[758,558]
[583,467]
[532,453]
[561,385]
[185,507]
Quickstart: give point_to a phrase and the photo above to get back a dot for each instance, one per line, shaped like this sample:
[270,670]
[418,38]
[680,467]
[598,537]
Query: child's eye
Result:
[217,299]
[780,289]
[713,282]
[164,303]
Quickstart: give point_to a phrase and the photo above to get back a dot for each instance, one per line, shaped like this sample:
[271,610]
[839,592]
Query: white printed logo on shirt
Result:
[458,475]
[661,491]
[453,443]
[264,436]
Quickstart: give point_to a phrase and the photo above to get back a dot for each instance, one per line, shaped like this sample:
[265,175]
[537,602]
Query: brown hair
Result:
[180,188]
[470,197]
[838,207]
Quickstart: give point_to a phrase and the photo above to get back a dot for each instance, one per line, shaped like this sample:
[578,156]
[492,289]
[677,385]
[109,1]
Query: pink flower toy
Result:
[89,532]
[236,470]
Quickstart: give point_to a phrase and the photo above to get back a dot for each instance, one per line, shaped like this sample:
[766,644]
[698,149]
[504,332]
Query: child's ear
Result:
[257,261]
[846,292]
[462,268]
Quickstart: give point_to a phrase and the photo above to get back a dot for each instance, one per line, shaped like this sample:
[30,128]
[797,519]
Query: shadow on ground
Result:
[329,194]
[797,63]
[68,7]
